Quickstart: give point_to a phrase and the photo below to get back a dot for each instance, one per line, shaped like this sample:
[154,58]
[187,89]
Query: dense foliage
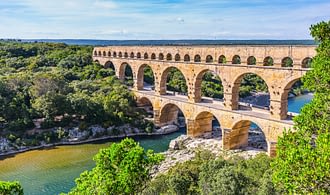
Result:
[303,161]
[206,174]
[10,188]
[123,168]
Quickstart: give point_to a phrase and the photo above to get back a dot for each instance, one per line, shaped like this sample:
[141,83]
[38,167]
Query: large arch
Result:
[285,95]
[141,79]
[238,136]
[236,90]
[109,64]
[198,85]
[204,123]
[123,71]
[169,114]
[147,105]
[164,79]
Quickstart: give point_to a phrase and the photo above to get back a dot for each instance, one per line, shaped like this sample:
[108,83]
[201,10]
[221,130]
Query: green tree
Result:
[302,164]
[123,168]
[11,188]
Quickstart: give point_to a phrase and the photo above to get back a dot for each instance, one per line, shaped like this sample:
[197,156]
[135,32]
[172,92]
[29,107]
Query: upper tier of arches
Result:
[285,56]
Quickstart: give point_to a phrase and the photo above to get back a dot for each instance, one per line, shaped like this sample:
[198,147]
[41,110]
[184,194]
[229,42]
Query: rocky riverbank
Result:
[184,148]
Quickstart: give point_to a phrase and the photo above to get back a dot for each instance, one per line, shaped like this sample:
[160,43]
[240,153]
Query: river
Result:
[51,171]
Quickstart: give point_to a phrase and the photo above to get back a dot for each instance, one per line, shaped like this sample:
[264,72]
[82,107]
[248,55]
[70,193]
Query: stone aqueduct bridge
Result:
[279,66]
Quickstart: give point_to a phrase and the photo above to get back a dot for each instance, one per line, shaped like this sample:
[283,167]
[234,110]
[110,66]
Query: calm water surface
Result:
[53,171]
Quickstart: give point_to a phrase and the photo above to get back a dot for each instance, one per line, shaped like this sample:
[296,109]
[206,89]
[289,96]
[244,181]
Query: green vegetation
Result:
[10,188]
[206,174]
[302,165]
[123,168]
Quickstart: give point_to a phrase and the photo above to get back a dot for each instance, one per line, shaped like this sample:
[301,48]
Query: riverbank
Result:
[162,131]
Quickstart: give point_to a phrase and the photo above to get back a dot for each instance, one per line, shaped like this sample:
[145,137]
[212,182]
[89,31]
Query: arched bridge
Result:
[279,66]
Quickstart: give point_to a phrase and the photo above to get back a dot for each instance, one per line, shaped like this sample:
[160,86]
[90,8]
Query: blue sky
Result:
[162,19]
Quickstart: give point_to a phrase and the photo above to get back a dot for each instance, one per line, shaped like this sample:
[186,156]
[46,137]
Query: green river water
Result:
[51,171]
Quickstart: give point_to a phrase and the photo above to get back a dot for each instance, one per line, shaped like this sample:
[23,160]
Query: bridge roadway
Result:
[234,123]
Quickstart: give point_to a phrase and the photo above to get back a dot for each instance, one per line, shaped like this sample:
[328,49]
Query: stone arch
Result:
[100,53]
[122,70]
[306,63]
[145,56]
[138,55]
[153,56]
[209,59]
[140,76]
[186,58]
[169,57]
[268,61]
[109,53]
[236,88]
[146,104]
[104,53]
[95,53]
[125,55]
[251,60]
[285,95]
[287,62]
[236,59]
[161,56]
[198,84]
[120,54]
[163,79]
[197,58]
[222,59]
[169,114]
[114,54]
[237,136]
[177,57]
[96,61]
[109,64]
[203,123]
[132,55]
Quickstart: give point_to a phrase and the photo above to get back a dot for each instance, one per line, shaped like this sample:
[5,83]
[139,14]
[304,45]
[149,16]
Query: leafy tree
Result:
[123,168]
[11,188]
[303,160]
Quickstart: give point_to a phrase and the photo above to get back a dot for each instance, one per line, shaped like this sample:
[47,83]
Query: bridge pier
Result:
[236,137]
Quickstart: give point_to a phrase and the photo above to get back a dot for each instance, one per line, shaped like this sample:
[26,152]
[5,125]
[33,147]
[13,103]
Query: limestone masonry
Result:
[279,66]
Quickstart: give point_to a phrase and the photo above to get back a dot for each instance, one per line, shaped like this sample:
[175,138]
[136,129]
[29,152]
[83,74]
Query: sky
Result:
[160,19]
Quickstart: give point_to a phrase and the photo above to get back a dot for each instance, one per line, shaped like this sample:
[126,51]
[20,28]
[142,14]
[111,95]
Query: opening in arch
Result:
[104,53]
[146,106]
[252,91]
[96,61]
[177,57]
[153,56]
[145,56]
[114,54]
[126,55]
[186,58]
[95,53]
[126,74]
[307,62]
[209,59]
[245,135]
[207,125]
[172,117]
[287,62]
[208,84]
[169,57]
[110,65]
[132,55]
[251,60]
[161,56]
[222,59]
[120,54]
[138,55]
[109,53]
[236,59]
[268,61]
[100,53]
[173,80]
[145,78]
[197,58]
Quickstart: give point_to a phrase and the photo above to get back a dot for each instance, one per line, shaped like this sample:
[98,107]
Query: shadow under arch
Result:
[171,114]
[245,134]
[206,123]
[145,104]
[145,77]
[198,84]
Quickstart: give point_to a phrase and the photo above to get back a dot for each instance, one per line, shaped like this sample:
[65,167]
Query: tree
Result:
[11,188]
[302,164]
[123,168]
